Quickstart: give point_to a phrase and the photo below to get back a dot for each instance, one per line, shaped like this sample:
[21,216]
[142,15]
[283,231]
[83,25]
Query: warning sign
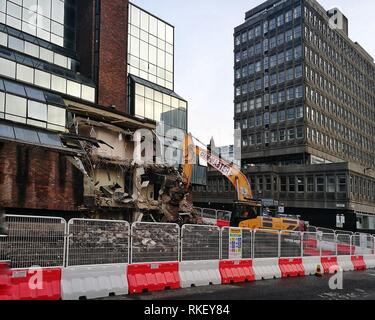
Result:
[235,244]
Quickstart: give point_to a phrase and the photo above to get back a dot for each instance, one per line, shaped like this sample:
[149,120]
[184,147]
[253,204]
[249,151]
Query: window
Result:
[289,16]
[301,184]
[282,116]
[37,110]
[7,68]
[291,134]
[300,133]
[289,35]
[290,114]
[282,135]
[283,184]
[292,184]
[15,105]
[342,184]
[56,115]
[273,117]
[298,72]
[320,184]
[331,184]
[310,184]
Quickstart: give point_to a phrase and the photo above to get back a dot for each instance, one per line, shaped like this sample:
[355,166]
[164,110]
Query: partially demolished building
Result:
[78,79]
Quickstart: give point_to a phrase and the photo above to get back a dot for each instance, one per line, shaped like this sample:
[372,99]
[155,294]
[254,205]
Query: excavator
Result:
[246,212]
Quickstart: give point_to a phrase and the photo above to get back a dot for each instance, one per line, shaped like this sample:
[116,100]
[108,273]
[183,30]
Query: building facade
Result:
[304,101]
[78,78]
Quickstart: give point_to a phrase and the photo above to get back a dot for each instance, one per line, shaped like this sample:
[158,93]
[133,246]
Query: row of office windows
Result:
[268,118]
[268,25]
[329,37]
[280,77]
[41,18]
[344,148]
[350,116]
[271,137]
[29,106]
[339,80]
[339,129]
[37,51]
[46,80]
[270,44]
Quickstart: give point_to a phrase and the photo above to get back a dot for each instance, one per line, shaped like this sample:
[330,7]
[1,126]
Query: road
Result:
[359,285]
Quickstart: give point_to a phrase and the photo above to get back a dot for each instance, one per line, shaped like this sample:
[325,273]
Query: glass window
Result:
[31,49]
[25,73]
[35,94]
[310,184]
[331,184]
[301,183]
[2,101]
[292,184]
[88,93]
[58,84]
[291,134]
[320,186]
[15,105]
[43,79]
[73,89]
[7,68]
[342,184]
[37,110]
[56,115]
[16,44]
[15,88]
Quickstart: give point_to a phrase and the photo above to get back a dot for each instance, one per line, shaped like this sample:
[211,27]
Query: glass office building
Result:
[38,62]
[151,77]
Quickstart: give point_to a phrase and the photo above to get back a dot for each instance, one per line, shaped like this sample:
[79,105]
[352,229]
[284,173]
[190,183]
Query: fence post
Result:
[279,244]
[253,244]
[302,242]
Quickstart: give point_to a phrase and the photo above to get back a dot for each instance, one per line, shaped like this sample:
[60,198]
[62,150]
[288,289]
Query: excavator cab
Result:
[243,211]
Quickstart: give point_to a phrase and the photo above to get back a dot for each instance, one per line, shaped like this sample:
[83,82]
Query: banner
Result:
[235,244]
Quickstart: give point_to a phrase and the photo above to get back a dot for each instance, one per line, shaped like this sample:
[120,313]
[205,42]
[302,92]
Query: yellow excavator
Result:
[247,212]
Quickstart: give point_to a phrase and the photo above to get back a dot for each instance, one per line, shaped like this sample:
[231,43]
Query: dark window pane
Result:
[15,88]
[6,131]
[53,98]
[2,85]
[26,135]
[49,139]
[35,94]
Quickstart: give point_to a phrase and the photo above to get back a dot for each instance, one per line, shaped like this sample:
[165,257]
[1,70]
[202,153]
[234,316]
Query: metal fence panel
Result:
[344,244]
[96,242]
[246,243]
[34,241]
[290,244]
[266,244]
[328,244]
[362,244]
[154,242]
[311,244]
[200,242]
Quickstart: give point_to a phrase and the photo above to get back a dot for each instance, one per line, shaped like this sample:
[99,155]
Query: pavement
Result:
[358,285]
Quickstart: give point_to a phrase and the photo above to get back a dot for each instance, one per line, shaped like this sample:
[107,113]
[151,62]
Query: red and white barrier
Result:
[199,273]
[329,264]
[345,263]
[292,267]
[92,282]
[35,284]
[266,268]
[310,265]
[150,277]
[358,263]
[236,271]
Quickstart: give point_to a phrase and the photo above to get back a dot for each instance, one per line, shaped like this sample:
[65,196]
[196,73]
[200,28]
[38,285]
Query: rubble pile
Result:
[154,243]
[200,243]
[98,242]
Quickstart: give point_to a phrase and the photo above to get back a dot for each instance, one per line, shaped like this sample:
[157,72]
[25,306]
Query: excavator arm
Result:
[234,175]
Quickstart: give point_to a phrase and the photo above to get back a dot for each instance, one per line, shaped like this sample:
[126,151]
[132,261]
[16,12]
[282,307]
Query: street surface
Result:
[358,285]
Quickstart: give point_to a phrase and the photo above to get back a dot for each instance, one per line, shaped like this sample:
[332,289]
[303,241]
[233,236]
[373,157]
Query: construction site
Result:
[107,193]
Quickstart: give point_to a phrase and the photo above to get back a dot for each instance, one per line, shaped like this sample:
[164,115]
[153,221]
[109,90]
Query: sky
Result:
[204,54]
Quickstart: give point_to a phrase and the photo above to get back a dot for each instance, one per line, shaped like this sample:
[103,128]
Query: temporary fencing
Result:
[236,248]
[154,257]
[97,258]
[200,255]
[87,259]
[35,247]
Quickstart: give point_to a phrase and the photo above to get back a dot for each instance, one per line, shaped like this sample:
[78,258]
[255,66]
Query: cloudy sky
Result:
[204,53]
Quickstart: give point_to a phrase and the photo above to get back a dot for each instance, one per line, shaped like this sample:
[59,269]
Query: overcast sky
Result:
[204,53]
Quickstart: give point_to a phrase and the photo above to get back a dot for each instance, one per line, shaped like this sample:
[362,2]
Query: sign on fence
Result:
[154,242]
[97,242]
[235,244]
[199,242]
[34,241]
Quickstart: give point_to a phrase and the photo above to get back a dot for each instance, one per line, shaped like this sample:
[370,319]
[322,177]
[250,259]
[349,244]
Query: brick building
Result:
[70,102]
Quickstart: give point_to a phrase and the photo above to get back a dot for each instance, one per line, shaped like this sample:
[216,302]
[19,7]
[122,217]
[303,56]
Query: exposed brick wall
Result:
[36,178]
[113,54]
[85,36]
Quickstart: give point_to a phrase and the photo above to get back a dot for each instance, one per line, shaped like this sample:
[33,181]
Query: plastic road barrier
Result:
[266,268]
[291,267]
[236,271]
[310,264]
[4,281]
[199,273]
[369,261]
[153,277]
[329,263]
[92,282]
[345,262]
[358,263]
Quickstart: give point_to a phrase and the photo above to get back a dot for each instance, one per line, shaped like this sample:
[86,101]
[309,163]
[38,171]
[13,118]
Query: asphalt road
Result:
[359,285]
